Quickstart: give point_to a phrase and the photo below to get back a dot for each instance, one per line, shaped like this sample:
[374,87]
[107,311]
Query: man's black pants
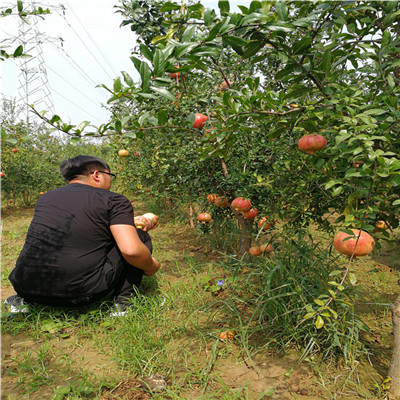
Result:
[121,281]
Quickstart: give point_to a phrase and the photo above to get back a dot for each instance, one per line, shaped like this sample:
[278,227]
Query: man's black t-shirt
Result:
[67,242]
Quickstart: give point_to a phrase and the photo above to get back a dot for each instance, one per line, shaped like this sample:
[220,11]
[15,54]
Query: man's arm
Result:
[133,250]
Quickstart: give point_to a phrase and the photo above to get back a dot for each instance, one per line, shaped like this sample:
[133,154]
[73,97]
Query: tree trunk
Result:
[191,215]
[394,368]
[245,235]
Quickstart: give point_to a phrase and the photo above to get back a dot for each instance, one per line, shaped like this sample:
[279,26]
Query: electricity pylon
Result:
[33,85]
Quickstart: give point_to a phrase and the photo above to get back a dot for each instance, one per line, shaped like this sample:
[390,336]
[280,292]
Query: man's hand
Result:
[156,267]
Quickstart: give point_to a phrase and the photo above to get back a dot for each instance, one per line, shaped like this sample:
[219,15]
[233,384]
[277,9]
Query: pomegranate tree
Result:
[310,144]
[361,243]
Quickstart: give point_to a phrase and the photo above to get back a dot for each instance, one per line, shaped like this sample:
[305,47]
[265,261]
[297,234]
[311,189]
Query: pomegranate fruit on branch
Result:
[240,204]
[347,244]
[312,143]
[204,217]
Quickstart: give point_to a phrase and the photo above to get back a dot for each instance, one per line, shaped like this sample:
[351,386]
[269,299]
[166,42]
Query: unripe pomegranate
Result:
[255,251]
[364,246]
[251,214]
[312,143]
[199,120]
[381,225]
[204,218]
[123,153]
[265,223]
[240,204]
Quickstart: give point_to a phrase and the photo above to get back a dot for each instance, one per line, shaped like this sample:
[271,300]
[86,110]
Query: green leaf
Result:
[223,6]
[118,126]
[188,34]
[158,39]
[127,78]
[163,92]
[281,10]
[301,45]
[18,51]
[159,62]
[146,52]
[326,61]
[148,95]
[233,41]
[375,111]
[168,6]
[20,6]
[145,75]
[319,323]
[332,182]
[130,134]
[309,315]
[252,48]
[136,63]
[162,117]
[396,202]
[209,16]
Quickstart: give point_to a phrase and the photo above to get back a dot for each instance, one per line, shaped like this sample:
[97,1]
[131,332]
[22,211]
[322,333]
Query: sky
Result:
[82,45]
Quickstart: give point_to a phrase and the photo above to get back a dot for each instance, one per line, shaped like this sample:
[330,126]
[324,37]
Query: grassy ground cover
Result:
[172,339]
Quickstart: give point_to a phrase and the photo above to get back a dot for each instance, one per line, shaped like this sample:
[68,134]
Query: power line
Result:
[69,83]
[76,105]
[87,48]
[90,37]
[75,65]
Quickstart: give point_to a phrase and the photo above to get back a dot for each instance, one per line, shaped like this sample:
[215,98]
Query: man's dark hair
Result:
[81,165]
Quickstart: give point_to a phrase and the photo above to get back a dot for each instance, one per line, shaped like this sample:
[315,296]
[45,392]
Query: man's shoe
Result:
[16,304]
[121,309]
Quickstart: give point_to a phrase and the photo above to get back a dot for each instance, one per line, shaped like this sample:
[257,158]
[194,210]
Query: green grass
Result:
[177,318]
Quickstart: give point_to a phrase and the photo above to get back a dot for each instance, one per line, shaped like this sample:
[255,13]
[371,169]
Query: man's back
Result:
[68,241]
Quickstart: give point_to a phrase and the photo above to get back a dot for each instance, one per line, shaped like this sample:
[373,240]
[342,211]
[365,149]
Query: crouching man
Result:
[82,245]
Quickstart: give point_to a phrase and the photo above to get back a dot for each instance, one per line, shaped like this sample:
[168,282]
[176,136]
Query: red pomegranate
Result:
[142,222]
[199,120]
[240,204]
[255,251]
[224,85]
[211,197]
[265,223]
[204,217]
[251,214]
[312,143]
[266,248]
[221,202]
[364,246]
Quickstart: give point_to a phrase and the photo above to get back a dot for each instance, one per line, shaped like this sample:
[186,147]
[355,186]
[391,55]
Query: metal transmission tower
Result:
[33,85]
